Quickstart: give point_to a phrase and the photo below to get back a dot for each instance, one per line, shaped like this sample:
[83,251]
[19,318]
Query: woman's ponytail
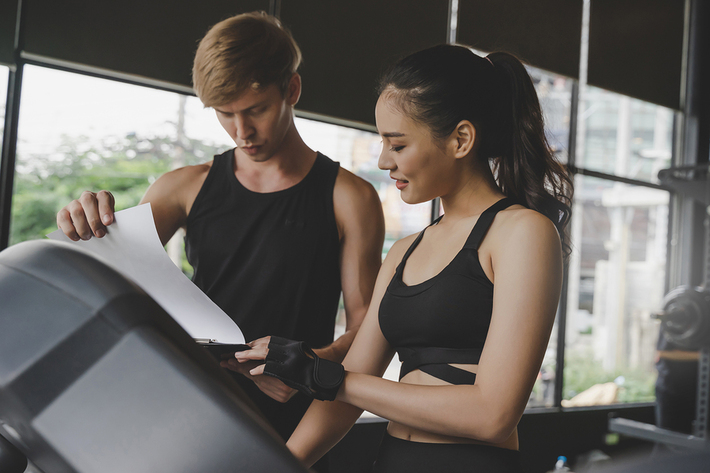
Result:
[523,162]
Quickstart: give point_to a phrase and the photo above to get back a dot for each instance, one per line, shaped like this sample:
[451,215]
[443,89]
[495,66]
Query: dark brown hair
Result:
[443,85]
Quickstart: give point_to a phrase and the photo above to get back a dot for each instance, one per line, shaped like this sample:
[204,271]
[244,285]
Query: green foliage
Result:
[186,267]
[127,166]
[36,217]
[582,371]
[44,184]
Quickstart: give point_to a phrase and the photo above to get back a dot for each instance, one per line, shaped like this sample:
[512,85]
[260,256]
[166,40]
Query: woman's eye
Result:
[396,149]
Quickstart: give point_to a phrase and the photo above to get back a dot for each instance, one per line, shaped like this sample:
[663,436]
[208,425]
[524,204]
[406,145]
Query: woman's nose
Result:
[385,162]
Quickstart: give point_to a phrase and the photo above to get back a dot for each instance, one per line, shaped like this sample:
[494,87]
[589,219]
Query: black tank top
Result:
[269,260]
[444,319]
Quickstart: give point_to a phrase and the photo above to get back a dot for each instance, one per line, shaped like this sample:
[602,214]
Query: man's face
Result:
[259,120]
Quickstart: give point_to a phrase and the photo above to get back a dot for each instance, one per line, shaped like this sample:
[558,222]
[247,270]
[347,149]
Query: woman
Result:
[468,303]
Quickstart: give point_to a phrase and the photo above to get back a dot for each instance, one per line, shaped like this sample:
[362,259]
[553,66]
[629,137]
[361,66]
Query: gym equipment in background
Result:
[685,321]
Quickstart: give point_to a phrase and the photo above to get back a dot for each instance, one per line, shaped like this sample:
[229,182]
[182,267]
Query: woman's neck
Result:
[476,191]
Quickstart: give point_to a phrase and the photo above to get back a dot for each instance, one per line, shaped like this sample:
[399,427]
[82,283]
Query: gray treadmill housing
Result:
[96,376]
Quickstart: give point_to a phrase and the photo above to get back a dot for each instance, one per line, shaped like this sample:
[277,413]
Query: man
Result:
[676,385]
[273,229]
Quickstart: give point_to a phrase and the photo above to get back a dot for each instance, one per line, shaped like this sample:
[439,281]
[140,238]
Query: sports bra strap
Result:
[415,243]
[435,361]
[450,374]
[484,222]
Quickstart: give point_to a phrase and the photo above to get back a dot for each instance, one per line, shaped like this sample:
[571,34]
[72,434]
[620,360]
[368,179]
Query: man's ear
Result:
[293,91]
[463,138]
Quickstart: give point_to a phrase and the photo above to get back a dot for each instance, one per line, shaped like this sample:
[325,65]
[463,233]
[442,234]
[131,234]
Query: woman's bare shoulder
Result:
[399,248]
[521,230]
[518,221]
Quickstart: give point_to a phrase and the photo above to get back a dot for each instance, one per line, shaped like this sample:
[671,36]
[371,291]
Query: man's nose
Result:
[244,127]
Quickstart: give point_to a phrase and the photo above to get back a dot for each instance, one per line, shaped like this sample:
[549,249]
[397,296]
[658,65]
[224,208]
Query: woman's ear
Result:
[463,138]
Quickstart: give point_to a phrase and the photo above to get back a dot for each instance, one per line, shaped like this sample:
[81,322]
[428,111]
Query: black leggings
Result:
[397,455]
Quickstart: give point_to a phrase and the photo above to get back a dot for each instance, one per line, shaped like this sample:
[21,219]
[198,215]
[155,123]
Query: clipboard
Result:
[221,350]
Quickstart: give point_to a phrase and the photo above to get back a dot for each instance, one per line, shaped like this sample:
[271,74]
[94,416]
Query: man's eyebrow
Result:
[393,134]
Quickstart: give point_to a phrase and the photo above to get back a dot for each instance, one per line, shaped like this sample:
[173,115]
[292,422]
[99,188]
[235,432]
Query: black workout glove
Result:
[299,367]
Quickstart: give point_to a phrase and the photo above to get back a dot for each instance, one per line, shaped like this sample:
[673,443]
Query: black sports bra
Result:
[444,319]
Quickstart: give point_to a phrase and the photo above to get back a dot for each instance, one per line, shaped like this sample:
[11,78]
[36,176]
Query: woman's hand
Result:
[250,363]
[296,365]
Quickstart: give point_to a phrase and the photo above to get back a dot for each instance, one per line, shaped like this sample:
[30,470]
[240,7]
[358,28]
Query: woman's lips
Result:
[401,184]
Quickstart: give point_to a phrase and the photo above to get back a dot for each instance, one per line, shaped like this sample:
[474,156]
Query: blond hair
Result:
[251,50]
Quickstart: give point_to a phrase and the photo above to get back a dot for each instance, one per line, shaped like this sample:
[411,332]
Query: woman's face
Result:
[412,156]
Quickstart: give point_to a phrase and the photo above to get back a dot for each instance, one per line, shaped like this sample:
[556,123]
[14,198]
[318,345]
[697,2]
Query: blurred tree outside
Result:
[125,166]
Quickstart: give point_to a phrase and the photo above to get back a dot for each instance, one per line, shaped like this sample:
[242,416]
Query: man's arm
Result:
[171,198]
[361,225]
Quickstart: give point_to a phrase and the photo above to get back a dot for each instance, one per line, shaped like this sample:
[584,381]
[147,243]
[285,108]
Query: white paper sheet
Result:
[132,246]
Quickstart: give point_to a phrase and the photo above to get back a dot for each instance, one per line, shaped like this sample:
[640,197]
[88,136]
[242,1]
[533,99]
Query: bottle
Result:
[561,465]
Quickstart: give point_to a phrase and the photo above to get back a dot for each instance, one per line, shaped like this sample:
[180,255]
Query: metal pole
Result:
[561,331]
[9,150]
[9,139]
[700,426]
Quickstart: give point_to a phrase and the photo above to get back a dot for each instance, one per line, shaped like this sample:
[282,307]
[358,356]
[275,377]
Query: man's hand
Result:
[87,216]
[250,364]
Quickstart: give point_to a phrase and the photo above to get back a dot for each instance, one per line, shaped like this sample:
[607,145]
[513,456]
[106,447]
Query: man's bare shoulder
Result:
[187,174]
[358,210]
[354,198]
[179,186]
[183,179]
[354,191]
[349,182]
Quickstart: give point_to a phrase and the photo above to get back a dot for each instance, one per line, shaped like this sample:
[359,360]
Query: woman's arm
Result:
[527,262]
[325,423]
